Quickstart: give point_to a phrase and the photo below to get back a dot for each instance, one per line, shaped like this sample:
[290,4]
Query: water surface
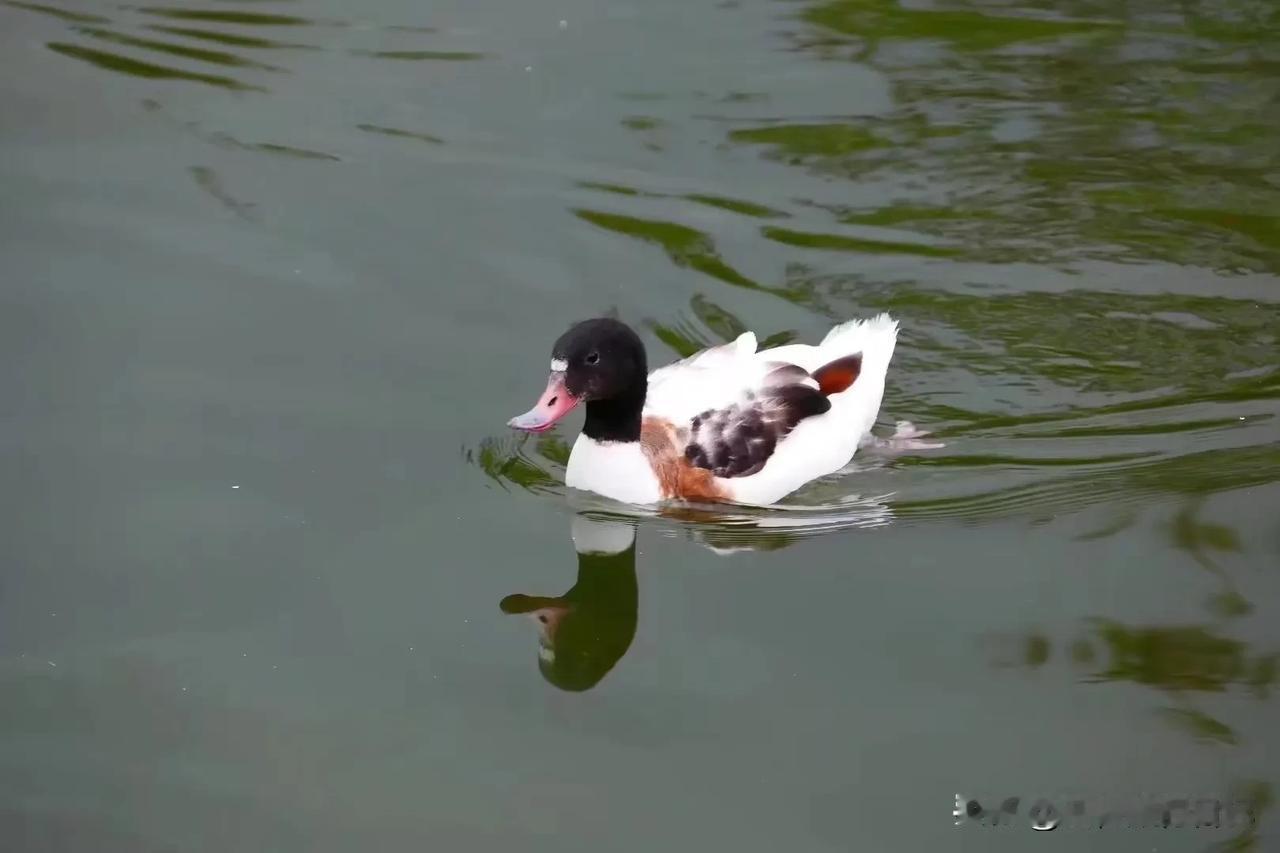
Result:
[275,274]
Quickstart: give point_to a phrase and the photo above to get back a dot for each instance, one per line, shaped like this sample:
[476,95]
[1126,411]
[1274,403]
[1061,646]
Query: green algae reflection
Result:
[849,243]
[685,246]
[1051,138]
[219,16]
[732,205]
[138,68]
[685,338]
[55,12]
[963,29]
[231,39]
[214,57]
[422,55]
[798,142]
[402,134]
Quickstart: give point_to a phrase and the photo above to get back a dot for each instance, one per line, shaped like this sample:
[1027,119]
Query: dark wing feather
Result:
[737,441]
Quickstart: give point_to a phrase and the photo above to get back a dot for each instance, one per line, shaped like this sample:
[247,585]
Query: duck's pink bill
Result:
[554,404]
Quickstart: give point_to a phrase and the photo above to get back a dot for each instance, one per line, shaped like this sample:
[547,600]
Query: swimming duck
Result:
[731,424]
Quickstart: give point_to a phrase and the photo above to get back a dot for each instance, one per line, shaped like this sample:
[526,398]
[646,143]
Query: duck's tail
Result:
[857,356]
[873,338]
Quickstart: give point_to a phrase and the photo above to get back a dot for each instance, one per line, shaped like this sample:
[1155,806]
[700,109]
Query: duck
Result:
[730,424]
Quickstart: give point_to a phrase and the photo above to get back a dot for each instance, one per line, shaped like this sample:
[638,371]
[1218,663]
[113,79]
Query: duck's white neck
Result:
[615,469]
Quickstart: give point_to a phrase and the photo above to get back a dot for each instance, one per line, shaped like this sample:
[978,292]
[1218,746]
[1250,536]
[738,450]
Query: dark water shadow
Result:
[223,139]
[207,179]
[294,152]
[421,55]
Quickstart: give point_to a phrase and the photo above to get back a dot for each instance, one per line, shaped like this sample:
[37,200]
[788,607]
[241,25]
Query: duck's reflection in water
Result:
[583,633]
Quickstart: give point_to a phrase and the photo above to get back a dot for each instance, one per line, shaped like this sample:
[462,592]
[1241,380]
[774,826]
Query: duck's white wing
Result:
[731,406]
[711,379]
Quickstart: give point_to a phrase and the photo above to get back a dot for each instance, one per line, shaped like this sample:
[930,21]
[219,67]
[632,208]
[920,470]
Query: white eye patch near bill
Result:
[559,365]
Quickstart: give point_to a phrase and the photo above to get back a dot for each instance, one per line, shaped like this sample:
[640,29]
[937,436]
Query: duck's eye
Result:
[593,358]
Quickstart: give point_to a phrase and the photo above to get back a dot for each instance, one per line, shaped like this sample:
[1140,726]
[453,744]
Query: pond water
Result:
[275,275]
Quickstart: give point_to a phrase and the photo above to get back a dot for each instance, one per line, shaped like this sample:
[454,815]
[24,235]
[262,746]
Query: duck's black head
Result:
[601,359]
[601,363]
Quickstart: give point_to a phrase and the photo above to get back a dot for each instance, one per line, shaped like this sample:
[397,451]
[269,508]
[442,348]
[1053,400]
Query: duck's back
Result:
[764,423]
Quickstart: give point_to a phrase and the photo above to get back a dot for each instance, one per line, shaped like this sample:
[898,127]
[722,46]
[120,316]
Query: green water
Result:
[274,275]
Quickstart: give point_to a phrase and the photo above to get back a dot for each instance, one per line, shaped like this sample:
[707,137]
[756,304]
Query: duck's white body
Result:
[618,470]
[726,379]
